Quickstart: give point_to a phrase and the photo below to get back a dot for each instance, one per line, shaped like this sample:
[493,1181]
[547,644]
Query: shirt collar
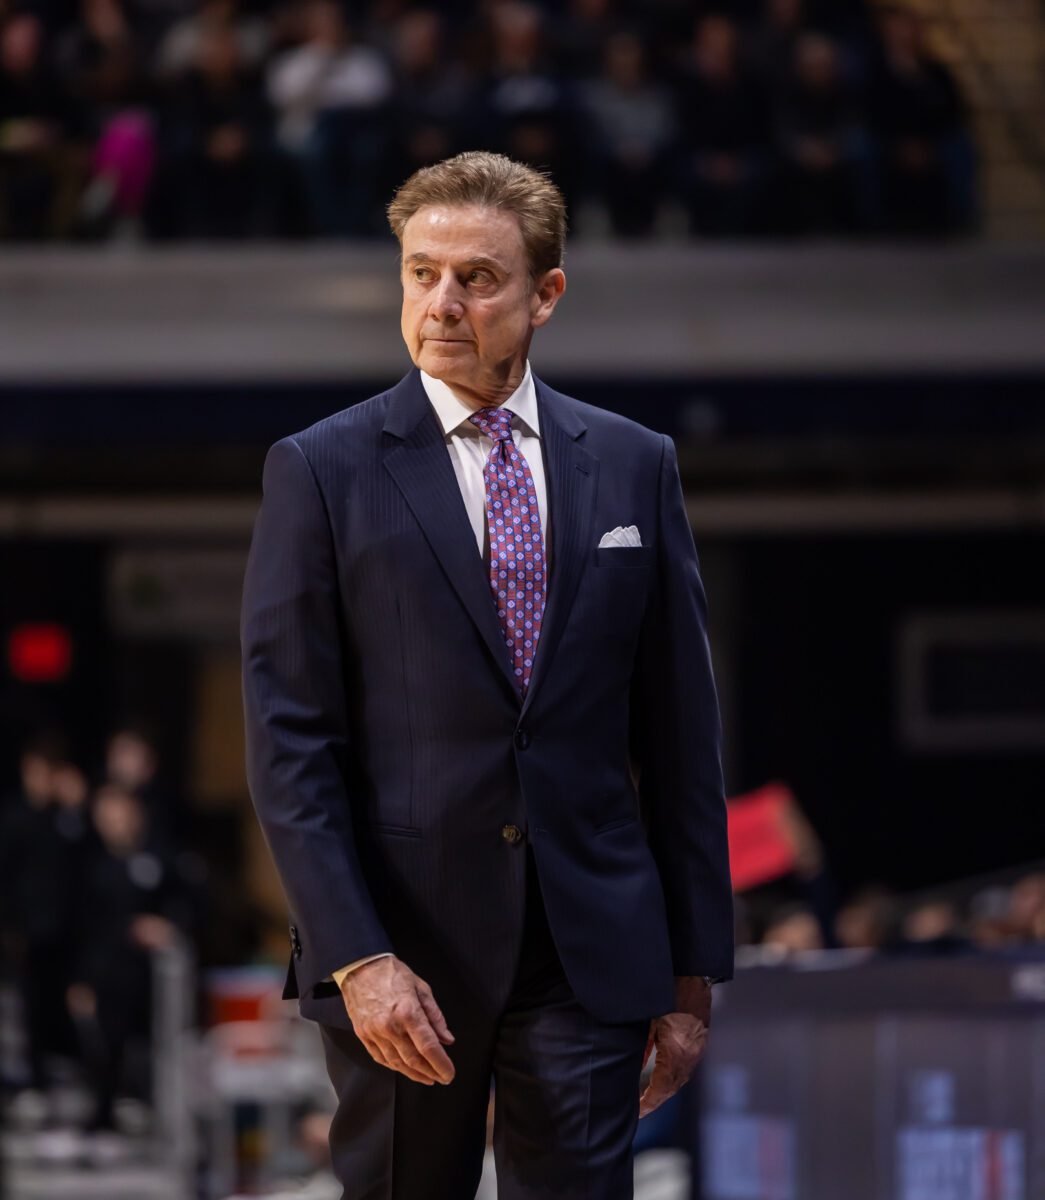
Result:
[452,411]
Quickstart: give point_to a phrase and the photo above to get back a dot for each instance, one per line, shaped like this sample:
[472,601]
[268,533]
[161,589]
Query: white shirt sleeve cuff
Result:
[339,975]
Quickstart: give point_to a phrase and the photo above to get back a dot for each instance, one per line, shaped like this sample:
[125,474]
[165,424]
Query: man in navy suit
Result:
[483,738]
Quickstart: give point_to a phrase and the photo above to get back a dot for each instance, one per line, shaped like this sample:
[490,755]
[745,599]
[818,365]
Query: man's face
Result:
[469,303]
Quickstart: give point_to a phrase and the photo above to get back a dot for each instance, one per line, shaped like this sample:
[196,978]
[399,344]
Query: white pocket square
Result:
[621,536]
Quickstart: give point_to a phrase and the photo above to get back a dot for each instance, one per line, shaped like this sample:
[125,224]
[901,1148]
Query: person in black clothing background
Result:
[43,838]
[133,902]
[724,117]
[218,164]
[33,121]
[819,141]
[432,92]
[522,106]
[919,120]
[629,135]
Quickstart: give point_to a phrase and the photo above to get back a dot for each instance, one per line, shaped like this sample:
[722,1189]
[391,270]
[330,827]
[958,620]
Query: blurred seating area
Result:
[256,119]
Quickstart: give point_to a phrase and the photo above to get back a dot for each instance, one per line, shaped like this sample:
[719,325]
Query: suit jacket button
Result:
[511,834]
[522,738]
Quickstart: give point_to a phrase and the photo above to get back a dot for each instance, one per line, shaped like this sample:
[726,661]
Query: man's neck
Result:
[477,398]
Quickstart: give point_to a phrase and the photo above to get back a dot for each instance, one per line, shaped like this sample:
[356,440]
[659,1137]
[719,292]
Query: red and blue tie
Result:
[518,565]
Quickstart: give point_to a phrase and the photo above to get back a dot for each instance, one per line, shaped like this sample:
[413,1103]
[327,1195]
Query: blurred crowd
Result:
[876,918]
[94,880]
[171,119]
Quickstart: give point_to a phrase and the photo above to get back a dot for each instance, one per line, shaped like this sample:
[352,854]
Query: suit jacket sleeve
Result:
[676,747]
[296,717]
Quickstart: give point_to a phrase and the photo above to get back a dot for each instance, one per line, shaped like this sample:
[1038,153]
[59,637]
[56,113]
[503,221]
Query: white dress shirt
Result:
[469,448]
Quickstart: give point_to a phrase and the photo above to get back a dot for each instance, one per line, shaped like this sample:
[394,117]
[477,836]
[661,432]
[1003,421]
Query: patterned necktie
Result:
[518,565]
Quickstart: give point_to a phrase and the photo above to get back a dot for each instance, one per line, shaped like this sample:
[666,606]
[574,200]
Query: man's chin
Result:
[445,359]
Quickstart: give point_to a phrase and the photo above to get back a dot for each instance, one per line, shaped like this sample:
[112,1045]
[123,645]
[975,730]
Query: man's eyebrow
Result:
[482,261]
[478,260]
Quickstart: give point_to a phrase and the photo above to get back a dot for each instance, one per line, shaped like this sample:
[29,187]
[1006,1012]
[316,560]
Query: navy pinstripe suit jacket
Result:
[387,746]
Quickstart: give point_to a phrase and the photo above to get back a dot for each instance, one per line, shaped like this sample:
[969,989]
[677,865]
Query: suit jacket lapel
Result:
[572,474]
[421,468]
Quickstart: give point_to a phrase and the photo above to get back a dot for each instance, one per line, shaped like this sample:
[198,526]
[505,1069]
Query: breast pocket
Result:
[624,556]
[622,577]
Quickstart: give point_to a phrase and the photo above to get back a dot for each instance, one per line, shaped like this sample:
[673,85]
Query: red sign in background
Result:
[760,848]
[39,652]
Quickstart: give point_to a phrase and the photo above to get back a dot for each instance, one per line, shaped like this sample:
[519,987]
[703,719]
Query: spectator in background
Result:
[1027,906]
[432,91]
[919,121]
[132,761]
[1003,916]
[102,70]
[43,842]
[180,49]
[794,929]
[820,142]
[69,791]
[933,925]
[867,921]
[99,64]
[333,98]
[219,168]
[132,903]
[525,109]
[579,36]
[725,133]
[632,128]
[771,42]
[152,20]
[34,159]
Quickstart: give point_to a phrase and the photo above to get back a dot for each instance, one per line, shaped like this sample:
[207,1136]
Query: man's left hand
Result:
[680,1038]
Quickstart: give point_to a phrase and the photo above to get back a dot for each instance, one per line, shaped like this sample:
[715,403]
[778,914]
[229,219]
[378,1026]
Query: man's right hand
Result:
[396,1018]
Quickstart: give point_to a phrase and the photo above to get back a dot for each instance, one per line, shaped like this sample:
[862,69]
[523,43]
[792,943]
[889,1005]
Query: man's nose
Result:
[445,299]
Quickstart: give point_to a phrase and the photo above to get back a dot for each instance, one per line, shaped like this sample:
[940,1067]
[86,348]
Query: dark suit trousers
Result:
[566,1096]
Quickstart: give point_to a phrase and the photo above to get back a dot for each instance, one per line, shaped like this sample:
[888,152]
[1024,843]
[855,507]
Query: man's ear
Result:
[547,292]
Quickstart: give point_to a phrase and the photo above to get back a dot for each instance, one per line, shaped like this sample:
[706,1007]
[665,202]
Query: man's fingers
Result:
[385,1053]
[669,1074]
[424,1038]
[396,1062]
[434,1013]
[382,1052]
[373,1048]
[656,1092]
[408,1053]
[649,1101]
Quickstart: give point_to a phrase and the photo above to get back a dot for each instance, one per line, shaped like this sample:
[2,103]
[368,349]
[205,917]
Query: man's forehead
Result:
[463,234]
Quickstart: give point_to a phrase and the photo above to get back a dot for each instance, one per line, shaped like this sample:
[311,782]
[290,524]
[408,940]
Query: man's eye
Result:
[421,273]
[478,276]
